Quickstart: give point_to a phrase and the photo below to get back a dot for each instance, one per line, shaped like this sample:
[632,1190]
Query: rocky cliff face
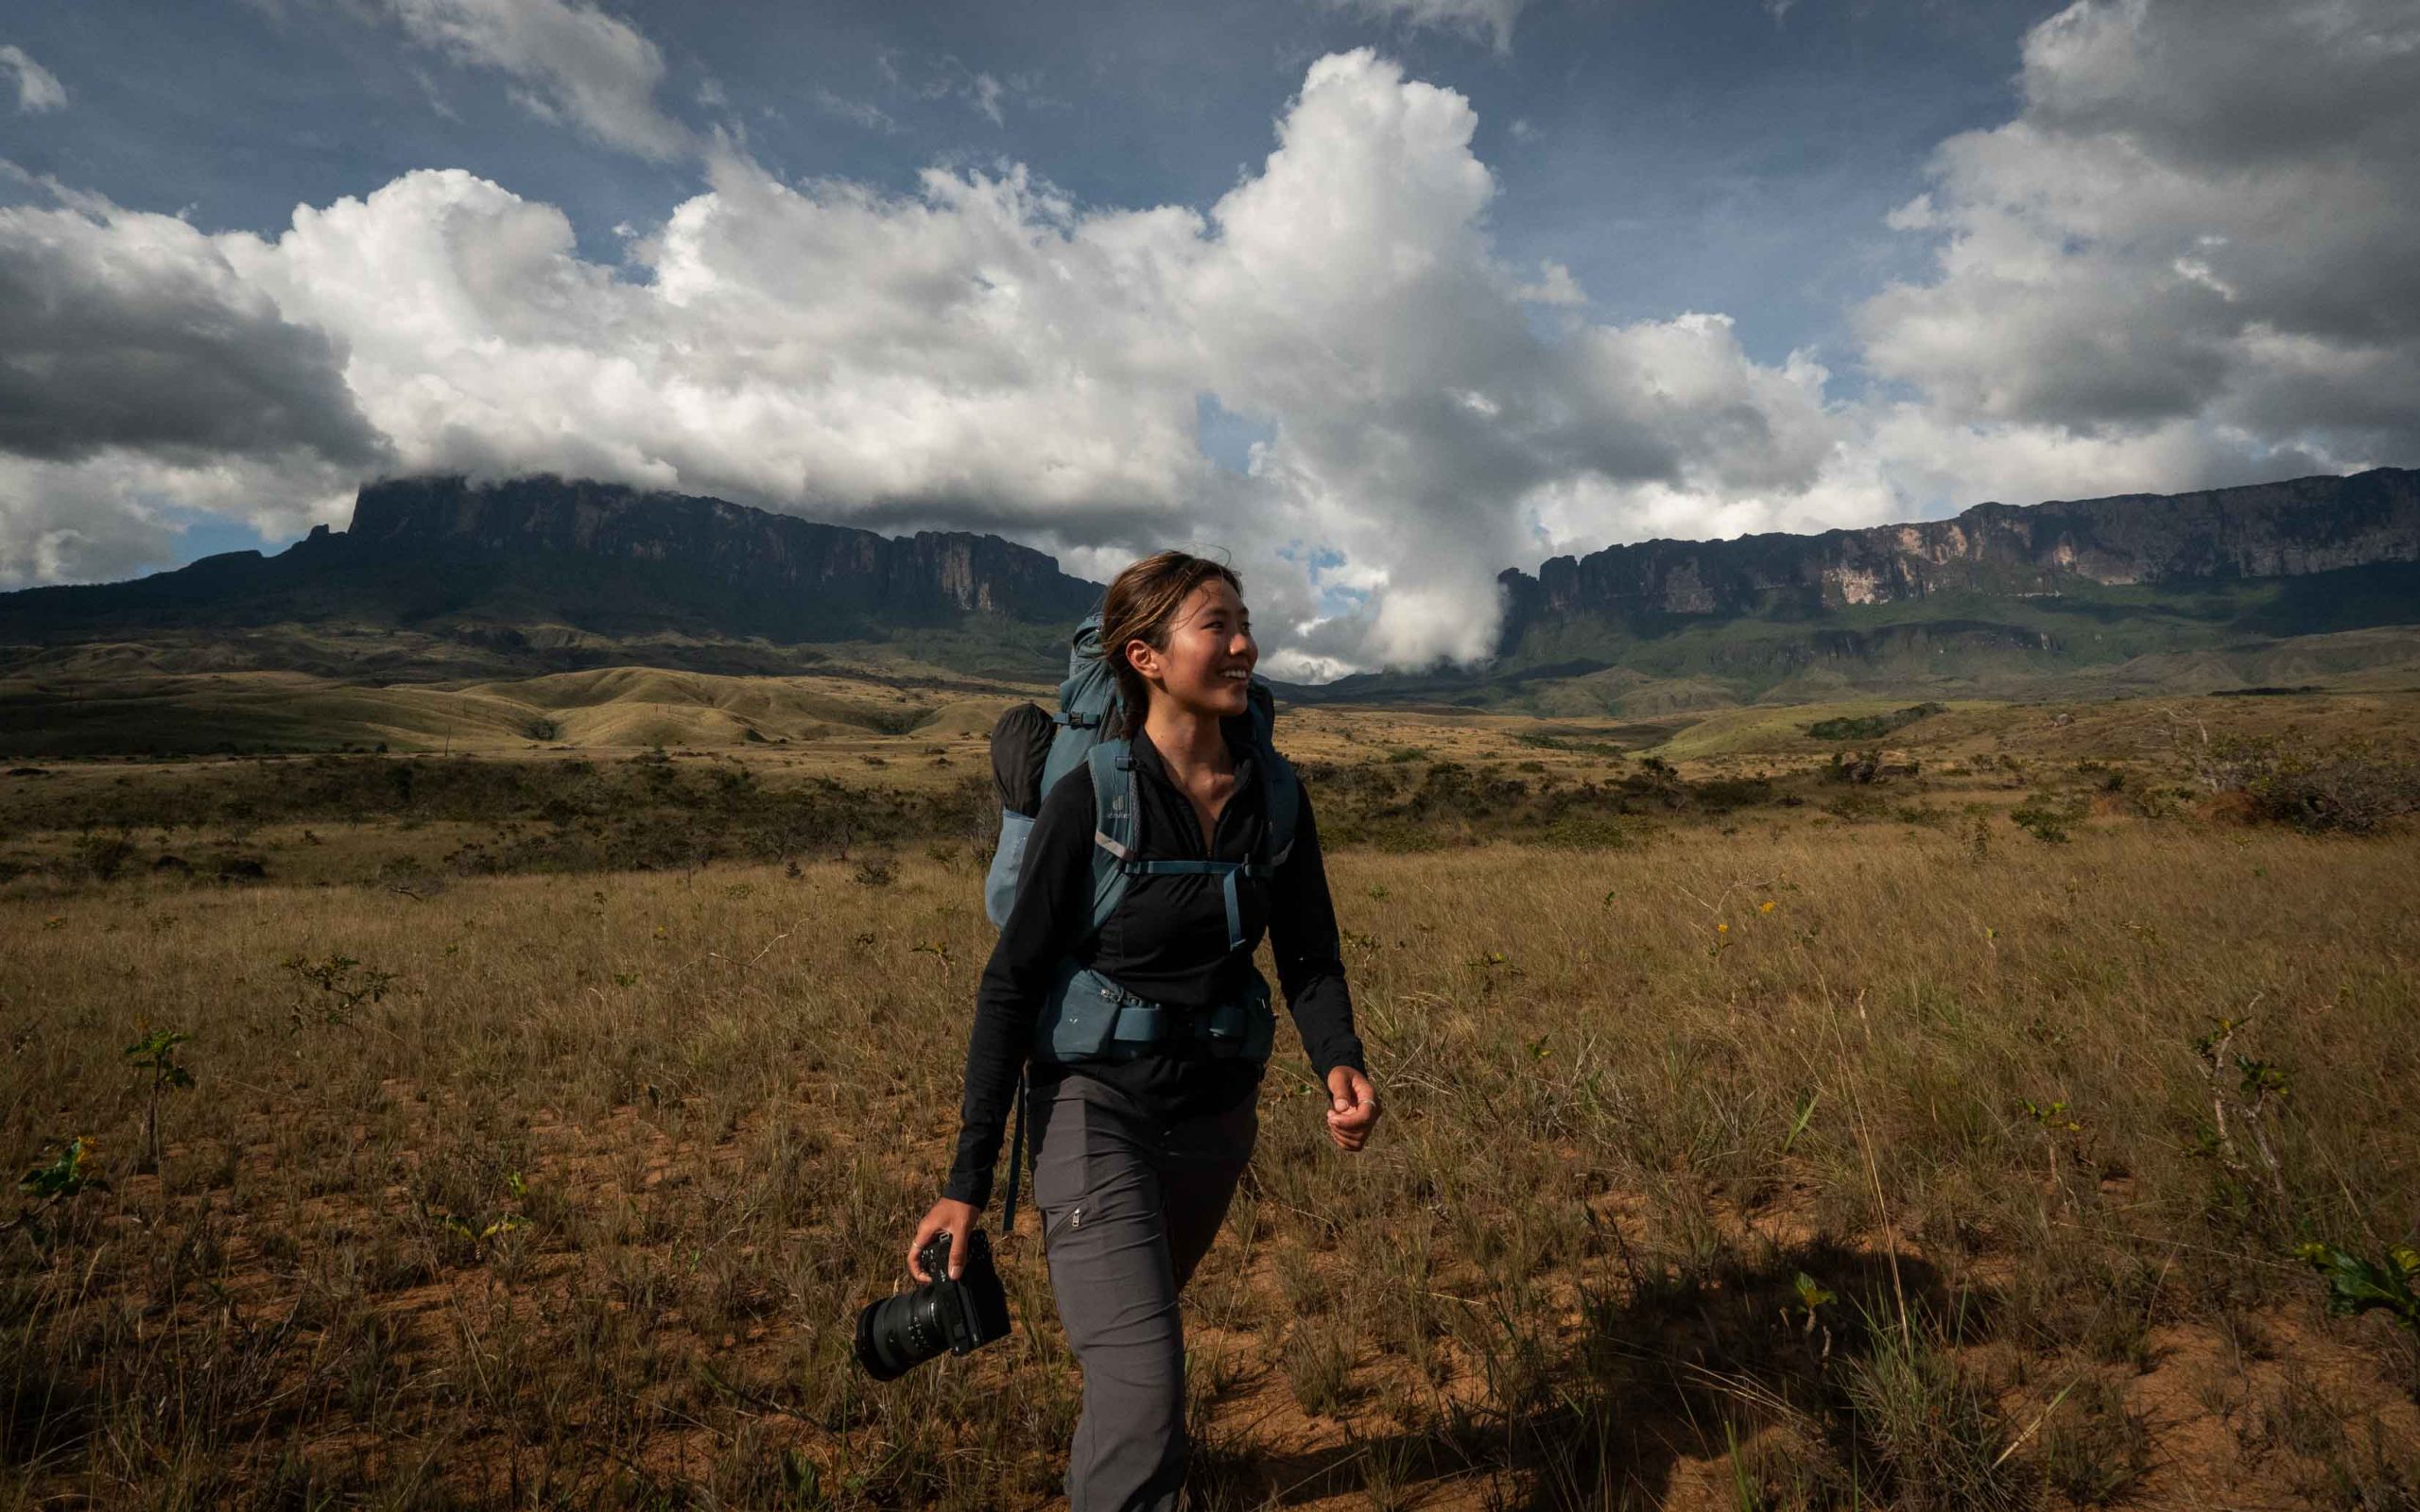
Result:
[2268,530]
[930,578]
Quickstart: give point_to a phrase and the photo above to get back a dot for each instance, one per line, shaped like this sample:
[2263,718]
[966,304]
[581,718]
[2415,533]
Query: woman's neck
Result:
[1187,739]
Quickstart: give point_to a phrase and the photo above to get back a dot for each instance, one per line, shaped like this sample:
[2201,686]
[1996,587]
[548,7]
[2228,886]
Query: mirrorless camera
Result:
[899,1333]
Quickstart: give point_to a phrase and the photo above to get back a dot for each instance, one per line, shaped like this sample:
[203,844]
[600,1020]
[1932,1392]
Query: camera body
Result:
[898,1334]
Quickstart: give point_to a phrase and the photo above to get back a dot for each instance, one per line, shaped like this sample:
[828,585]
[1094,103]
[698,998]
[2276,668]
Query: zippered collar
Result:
[1236,728]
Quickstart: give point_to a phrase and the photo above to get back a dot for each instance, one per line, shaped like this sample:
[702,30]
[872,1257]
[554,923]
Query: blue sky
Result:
[1309,280]
[1675,156]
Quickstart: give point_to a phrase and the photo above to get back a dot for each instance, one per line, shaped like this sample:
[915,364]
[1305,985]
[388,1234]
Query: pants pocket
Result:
[1062,1171]
[1057,1221]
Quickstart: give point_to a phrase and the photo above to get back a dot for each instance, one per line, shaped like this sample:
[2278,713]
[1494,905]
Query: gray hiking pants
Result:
[1129,1207]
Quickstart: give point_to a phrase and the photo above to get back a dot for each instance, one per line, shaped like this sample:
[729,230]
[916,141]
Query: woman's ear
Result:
[1143,658]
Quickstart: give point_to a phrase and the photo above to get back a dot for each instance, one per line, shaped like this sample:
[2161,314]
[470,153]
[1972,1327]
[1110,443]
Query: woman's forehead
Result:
[1212,596]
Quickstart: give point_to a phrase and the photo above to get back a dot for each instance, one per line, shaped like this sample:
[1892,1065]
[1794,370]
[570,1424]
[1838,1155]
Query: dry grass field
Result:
[1764,1130]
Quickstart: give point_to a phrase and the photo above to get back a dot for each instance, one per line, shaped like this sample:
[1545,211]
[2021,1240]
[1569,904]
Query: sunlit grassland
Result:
[1775,1157]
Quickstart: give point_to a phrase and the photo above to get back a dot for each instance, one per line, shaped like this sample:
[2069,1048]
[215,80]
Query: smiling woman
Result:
[1141,1136]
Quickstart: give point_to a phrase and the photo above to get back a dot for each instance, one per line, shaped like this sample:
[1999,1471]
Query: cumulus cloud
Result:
[573,63]
[37,88]
[1351,294]
[2204,213]
[131,330]
[121,512]
[1488,20]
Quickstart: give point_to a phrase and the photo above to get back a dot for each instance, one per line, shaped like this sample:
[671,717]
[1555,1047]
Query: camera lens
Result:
[899,1333]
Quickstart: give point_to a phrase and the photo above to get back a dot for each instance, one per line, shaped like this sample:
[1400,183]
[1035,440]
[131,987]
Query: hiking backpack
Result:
[1086,1015]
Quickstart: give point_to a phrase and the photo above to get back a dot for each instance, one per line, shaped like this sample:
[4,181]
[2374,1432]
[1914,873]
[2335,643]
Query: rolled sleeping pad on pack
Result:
[1020,745]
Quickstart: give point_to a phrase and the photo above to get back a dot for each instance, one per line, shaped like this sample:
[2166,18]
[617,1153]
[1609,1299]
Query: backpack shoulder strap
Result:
[1117,825]
[1283,789]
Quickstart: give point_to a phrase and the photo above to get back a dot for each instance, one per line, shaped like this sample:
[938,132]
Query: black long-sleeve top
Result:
[1167,941]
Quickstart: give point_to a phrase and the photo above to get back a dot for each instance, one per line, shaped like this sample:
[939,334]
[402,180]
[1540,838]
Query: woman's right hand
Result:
[949,1217]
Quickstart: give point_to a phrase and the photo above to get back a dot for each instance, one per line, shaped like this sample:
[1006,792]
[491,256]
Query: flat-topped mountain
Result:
[529,562]
[2293,529]
[787,571]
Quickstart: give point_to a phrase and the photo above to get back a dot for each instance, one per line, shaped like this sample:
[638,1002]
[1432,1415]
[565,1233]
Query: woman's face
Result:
[1208,665]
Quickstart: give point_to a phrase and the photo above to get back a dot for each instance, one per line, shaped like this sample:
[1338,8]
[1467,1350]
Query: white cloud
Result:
[575,64]
[1554,285]
[133,330]
[1488,20]
[120,512]
[988,91]
[37,88]
[2204,213]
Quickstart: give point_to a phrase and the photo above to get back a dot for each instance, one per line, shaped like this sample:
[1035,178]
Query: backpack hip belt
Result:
[1086,1015]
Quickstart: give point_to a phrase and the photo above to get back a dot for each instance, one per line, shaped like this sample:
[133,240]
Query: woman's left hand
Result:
[1353,1108]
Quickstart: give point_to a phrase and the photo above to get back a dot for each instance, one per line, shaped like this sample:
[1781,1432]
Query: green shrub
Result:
[1874,727]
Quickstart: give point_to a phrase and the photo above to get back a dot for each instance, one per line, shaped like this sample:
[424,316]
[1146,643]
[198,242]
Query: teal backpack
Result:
[1086,1015]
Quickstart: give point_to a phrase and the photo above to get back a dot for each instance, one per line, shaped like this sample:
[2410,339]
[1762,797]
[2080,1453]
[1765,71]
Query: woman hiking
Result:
[1142,1133]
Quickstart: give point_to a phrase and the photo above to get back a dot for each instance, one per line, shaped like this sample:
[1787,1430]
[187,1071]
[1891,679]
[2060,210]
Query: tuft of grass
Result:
[2095,1449]
[1932,1431]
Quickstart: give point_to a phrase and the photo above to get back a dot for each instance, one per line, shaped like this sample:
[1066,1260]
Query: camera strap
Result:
[1016,1164]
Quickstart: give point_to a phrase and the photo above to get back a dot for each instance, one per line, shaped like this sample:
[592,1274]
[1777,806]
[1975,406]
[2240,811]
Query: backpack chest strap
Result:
[1227,872]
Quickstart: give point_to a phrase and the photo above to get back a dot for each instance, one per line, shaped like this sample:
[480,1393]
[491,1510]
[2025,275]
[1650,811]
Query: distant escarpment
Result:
[783,568]
[519,567]
[2269,531]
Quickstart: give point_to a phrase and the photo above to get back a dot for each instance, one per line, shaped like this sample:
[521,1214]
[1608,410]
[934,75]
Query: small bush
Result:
[2355,787]
[103,857]
[2047,819]
[1874,727]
